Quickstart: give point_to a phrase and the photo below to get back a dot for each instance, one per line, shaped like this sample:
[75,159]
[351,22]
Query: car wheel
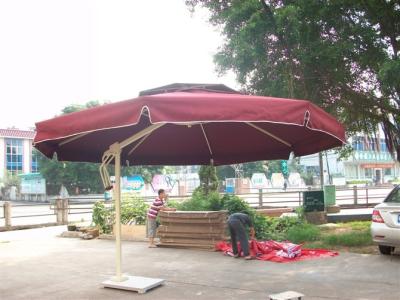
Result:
[385,250]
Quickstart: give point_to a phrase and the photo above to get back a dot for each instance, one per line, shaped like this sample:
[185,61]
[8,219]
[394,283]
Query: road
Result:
[36,264]
[29,213]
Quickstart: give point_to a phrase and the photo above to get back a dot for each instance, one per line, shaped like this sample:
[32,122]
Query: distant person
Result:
[107,195]
[159,204]
[237,224]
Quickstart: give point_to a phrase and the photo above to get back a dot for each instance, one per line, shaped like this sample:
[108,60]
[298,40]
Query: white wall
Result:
[335,167]
[2,158]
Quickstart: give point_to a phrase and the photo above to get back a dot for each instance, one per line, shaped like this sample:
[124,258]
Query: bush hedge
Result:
[133,210]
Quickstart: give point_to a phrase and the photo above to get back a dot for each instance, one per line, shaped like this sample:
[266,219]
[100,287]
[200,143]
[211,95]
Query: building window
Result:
[383,146]
[368,173]
[14,155]
[372,143]
[35,165]
[358,143]
[388,172]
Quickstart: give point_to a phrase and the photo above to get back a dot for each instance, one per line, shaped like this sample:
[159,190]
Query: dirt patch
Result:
[372,249]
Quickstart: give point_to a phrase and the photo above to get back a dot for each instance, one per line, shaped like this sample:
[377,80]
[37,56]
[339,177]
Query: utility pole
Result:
[321,169]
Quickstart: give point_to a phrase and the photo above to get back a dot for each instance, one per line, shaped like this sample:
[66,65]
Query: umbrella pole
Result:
[117,195]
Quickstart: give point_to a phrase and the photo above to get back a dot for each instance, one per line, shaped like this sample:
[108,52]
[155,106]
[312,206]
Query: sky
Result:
[54,53]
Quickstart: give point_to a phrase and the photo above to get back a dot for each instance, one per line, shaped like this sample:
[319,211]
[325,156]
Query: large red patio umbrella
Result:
[192,126]
[188,124]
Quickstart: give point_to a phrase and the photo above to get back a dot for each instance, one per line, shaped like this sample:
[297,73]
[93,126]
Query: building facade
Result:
[370,161]
[16,152]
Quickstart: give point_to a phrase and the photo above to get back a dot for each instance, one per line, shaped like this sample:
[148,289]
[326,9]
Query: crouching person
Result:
[237,224]
[159,204]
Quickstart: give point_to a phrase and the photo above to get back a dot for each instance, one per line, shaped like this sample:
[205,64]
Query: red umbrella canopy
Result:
[196,126]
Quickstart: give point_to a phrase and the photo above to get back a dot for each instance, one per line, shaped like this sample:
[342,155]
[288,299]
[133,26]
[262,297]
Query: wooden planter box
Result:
[133,232]
[193,230]
[274,212]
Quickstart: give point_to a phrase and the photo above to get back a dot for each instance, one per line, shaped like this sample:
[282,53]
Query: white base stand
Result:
[289,295]
[134,283]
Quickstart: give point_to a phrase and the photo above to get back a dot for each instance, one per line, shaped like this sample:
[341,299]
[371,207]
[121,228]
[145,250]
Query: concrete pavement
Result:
[35,264]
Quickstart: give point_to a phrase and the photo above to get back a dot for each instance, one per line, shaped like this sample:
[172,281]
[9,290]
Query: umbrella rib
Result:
[141,134]
[269,134]
[205,136]
[73,138]
[138,144]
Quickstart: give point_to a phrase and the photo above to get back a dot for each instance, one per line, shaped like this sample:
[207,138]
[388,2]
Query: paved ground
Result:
[35,264]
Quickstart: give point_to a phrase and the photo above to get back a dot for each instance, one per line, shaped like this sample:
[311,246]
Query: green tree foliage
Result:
[73,175]
[273,166]
[254,167]
[343,55]
[208,179]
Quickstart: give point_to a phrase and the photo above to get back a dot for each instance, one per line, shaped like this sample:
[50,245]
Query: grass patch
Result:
[316,245]
[349,239]
[356,225]
[352,235]
[303,233]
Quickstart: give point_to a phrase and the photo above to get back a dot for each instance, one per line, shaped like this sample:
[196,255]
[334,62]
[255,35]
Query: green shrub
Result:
[300,213]
[201,202]
[234,204]
[265,228]
[349,239]
[175,204]
[360,181]
[269,228]
[133,210]
[102,217]
[303,233]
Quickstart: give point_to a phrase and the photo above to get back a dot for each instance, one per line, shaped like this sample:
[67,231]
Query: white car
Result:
[385,226]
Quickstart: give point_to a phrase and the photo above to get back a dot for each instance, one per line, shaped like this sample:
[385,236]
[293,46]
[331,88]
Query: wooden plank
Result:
[193,235]
[187,246]
[191,229]
[192,214]
[210,242]
[193,220]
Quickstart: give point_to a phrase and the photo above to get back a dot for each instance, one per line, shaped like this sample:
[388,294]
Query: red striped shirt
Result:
[155,208]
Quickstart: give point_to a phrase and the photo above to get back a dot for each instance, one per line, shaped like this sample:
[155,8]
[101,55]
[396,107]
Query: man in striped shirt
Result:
[158,205]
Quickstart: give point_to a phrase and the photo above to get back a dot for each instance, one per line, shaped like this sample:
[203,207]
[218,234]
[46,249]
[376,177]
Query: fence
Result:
[345,197]
[60,211]
[57,212]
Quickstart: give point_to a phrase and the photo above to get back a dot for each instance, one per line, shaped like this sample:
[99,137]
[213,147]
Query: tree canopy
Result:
[342,55]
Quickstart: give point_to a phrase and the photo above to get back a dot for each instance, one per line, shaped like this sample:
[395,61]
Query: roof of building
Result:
[17,133]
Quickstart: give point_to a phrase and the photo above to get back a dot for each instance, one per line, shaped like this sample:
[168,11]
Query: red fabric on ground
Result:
[277,251]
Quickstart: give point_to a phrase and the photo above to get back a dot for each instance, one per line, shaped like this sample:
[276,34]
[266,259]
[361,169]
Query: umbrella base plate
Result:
[134,283]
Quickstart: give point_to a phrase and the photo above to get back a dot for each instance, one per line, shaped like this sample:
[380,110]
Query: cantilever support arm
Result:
[114,153]
[115,148]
